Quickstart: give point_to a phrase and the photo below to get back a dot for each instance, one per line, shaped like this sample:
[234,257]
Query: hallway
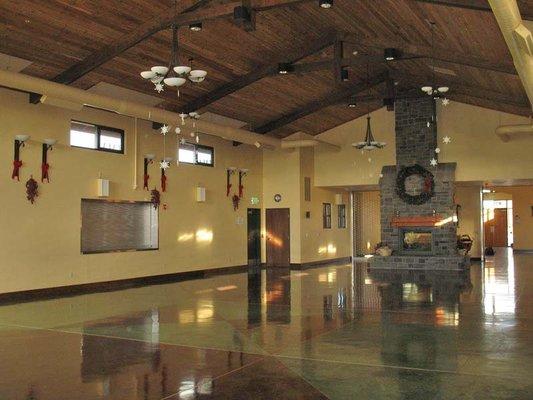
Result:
[329,332]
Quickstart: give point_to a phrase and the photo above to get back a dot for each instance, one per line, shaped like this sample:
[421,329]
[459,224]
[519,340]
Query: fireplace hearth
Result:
[417,211]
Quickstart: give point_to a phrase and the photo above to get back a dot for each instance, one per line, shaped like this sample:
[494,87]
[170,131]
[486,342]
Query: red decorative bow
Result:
[44,172]
[228,189]
[16,169]
[146,179]
[241,190]
[163,181]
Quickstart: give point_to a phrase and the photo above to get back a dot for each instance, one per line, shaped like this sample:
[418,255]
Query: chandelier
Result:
[369,143]
[174,75]
[434,90]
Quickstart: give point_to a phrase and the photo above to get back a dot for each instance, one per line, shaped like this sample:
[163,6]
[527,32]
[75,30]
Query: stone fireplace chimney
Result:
[422,235]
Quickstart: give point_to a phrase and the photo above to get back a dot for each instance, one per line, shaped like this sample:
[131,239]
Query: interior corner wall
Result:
[470,216]
[284,173]
[522,197]
[40,243]
[367,220]
[317,243]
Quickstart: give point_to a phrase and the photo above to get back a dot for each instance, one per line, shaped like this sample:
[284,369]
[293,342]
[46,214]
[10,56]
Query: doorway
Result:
[498,223]
[254,236]
[278,253]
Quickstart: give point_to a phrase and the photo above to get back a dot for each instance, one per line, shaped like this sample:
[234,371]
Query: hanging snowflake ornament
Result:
[164,129]
[164,164]
[428,124]
[445,102]
[183,141]
[437,150]
[446,139]
[159,88]
[433,162]
[197,139]
[177,130]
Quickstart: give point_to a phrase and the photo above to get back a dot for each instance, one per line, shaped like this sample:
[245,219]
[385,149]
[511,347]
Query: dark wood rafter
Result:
[476,5]
[259,73]
[338,54]
[441,54]
[334,97]
[194,13]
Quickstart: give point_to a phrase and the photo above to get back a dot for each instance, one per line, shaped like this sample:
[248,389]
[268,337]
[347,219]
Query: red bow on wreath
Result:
[16,169]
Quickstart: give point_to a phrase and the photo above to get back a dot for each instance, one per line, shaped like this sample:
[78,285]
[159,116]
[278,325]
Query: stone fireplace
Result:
[422,236]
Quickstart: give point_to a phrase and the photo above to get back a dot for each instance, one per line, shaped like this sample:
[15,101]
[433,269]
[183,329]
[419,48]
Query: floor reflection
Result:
[336,331]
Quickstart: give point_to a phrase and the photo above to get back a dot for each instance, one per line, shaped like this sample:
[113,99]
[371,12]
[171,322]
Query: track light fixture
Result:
[391,54]
[325,3]
[285,68]
[344,75]
[196,27]
[352,104]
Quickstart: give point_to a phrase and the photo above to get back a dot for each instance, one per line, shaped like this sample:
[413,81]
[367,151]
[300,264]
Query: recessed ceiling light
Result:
[196,27]
[284,68]
[390,54]
[325,3]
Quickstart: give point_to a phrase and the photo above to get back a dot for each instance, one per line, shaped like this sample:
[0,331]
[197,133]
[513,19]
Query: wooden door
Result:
[254,236]
[278,252]
[496,229]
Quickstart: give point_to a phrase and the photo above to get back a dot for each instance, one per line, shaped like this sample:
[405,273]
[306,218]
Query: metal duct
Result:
[73,95]
[505,132]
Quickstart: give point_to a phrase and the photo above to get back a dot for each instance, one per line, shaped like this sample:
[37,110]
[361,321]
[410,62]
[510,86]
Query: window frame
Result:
[196,147]
[341,217]
[99,129]
[326,215]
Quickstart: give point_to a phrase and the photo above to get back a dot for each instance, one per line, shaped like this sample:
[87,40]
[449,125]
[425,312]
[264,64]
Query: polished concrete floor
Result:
[334,332]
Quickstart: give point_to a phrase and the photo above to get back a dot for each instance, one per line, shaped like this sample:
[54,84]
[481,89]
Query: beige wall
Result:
[479,153]
[283,173]
[522,197]
[468,198]
[40,243]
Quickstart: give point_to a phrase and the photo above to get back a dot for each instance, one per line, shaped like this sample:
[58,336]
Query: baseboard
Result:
[109,286]
[318,263]
[475,258]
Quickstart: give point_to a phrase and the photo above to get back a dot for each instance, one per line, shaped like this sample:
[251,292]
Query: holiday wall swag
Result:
[45,167]
[32,190]
[235,200]
[428,189]
[17,162]
[229,172]
[242,174]
[155,198]
[148,159]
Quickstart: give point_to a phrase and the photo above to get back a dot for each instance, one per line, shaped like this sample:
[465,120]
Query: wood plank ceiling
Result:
[57,34]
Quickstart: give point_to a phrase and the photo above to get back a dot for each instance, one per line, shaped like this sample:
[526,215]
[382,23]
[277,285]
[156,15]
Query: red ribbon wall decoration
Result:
[45,167]
[146,177]
[163,180]
[17,162]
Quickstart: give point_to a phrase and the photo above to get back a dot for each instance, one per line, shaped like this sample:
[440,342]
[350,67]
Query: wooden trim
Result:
[109,286]
[319,263]
[422,220]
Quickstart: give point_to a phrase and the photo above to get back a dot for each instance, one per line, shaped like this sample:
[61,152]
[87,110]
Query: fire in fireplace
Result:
[416,241]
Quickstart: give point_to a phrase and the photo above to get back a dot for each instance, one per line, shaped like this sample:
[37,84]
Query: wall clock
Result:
[277,197]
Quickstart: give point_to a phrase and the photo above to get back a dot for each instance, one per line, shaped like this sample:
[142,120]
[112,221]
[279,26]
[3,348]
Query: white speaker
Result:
[200,194]
[102,187]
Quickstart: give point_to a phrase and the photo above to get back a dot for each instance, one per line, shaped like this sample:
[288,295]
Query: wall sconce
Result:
[229,171]
[48,145]
[148,159]
[242,174]
[17,162]
[164,165]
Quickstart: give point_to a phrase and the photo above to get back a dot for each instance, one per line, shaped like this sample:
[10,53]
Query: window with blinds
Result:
[108,226]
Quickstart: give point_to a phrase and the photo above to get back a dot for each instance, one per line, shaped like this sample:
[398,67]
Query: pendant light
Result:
[433,90]
[369,143]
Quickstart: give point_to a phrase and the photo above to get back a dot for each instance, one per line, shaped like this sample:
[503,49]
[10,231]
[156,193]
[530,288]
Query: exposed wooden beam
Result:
[190,11]
[441,53]
[476,5]
[338,54]
[332,98]
[260,72]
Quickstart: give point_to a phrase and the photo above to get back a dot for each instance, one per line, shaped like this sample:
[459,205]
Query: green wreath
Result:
[429,185]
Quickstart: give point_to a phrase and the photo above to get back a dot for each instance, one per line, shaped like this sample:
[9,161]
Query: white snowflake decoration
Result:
[177,130]
[445,102]
[437,150]
[433,162]
[165,129]
[164,164]
[446,139]
[159,87]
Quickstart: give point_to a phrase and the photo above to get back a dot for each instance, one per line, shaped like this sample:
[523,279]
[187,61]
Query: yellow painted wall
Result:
[522,197]
[40,243]
[318,243]
[470,215]
[478,152]
[284,173]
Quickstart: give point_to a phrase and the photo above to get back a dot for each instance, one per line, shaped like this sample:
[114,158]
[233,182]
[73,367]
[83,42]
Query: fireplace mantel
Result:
[419,220]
